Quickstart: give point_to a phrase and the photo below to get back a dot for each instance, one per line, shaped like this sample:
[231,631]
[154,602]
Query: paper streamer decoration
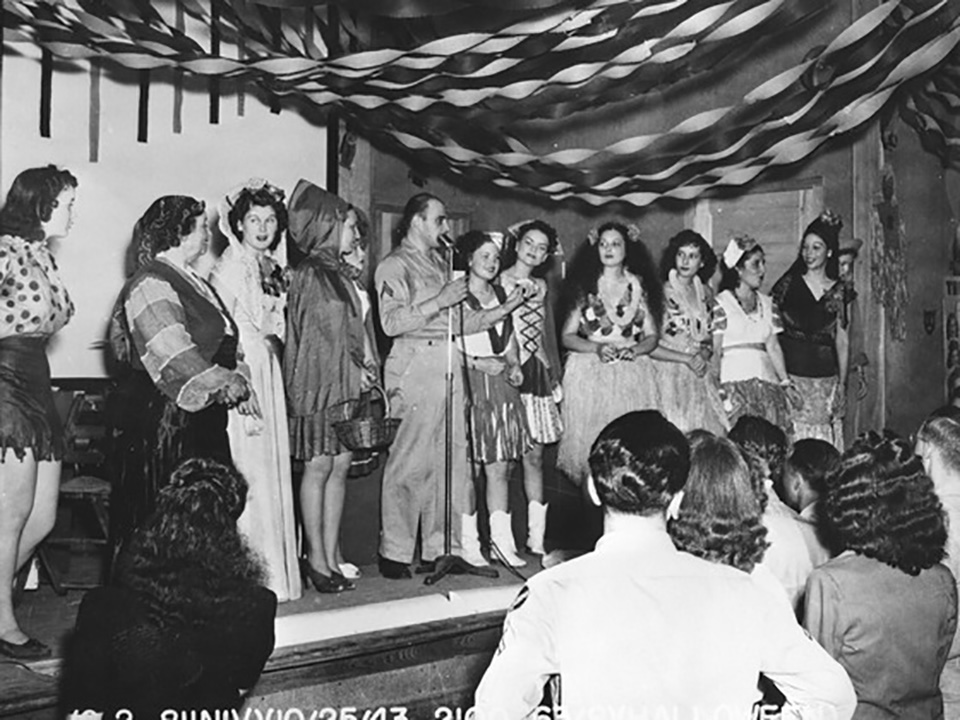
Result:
[458,104]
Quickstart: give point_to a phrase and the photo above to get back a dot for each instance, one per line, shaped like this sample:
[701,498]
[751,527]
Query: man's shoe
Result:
[427,567]
[393,570]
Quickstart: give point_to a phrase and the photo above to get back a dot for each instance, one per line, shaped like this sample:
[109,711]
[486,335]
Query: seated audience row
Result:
[878,600]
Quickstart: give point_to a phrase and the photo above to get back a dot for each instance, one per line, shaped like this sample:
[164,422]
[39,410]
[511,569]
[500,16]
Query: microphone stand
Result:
[448,563]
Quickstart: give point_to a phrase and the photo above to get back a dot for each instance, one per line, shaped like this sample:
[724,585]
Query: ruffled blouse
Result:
[33,298]
[810,325]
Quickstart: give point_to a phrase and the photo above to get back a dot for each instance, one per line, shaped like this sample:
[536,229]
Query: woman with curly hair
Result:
[330,358]
[252,277]
[746,323]
[177,348]
[938,445]
[719,516]
[815,340]
[689,394]
[496,422]
[612,307]
[527,256]
[35,305]
[188,623]
[885,607]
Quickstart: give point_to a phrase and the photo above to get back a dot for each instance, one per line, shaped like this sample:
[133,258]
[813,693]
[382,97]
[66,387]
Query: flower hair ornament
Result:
[633,234]
[738,246]
[831,219]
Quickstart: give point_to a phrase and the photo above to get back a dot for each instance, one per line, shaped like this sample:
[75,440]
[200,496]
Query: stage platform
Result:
[399,645]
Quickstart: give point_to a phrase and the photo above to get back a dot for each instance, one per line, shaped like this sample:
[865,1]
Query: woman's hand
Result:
[490,365]
[518,296]
[236,390]
[607,352]
[698,364]
[369,377]
[793,394]
[514,375]
[838,400]
[250,406]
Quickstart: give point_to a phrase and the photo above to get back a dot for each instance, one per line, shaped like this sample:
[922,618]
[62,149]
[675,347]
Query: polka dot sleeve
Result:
[33,300]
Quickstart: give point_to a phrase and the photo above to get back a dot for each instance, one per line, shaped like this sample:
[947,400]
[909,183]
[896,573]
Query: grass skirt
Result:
[816,417]
[762,399]
[688,401]
[595,393]
[496,420]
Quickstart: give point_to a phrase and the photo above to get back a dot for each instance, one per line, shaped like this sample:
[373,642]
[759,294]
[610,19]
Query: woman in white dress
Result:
[252,277]
[746,323]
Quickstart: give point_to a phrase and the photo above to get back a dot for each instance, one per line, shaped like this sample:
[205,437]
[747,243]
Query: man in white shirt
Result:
[794,550]
[637,628]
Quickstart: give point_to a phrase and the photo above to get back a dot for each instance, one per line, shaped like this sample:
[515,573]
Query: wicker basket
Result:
[367,432]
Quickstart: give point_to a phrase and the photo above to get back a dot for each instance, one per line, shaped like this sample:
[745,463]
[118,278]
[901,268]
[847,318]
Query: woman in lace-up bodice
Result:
[527,256]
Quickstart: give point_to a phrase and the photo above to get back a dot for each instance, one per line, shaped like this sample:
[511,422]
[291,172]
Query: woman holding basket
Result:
[329,359]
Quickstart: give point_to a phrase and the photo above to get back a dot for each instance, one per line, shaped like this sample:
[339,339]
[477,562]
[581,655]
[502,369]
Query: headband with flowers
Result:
[832,219]
[633,234]
[738,246]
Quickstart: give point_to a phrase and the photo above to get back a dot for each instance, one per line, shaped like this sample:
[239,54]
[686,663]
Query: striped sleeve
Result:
[168,353]
[718,319]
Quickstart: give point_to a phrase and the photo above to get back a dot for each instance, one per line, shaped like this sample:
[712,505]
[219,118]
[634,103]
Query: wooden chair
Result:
[83,493]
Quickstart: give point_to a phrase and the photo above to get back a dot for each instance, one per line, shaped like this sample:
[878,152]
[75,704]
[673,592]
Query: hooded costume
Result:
[330,341]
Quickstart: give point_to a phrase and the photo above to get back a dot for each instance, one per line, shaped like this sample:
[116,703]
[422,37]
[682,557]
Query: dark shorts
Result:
[28,416]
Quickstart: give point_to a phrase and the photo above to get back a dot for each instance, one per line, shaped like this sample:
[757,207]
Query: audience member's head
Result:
[806,471]
[764,447]
[638,463]
[881,504]
[189,554]
[696,435]
[938,444]
[719,516]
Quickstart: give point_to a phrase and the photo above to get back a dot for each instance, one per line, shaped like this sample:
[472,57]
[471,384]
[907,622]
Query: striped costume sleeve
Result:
[718,320]
[167,351]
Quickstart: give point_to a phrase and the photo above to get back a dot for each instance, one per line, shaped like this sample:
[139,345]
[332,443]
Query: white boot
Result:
[470,541]
[536,525]
[501,535]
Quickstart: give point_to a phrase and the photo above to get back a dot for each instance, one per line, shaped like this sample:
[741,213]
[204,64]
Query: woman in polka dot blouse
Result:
[34,305]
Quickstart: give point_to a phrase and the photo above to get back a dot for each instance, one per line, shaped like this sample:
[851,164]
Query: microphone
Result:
[446,241]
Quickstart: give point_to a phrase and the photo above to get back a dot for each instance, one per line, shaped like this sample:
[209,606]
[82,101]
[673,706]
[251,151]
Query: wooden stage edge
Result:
[419,657]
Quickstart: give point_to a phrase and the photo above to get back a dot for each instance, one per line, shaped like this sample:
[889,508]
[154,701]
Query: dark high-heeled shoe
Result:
[347,583]
[321,583]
